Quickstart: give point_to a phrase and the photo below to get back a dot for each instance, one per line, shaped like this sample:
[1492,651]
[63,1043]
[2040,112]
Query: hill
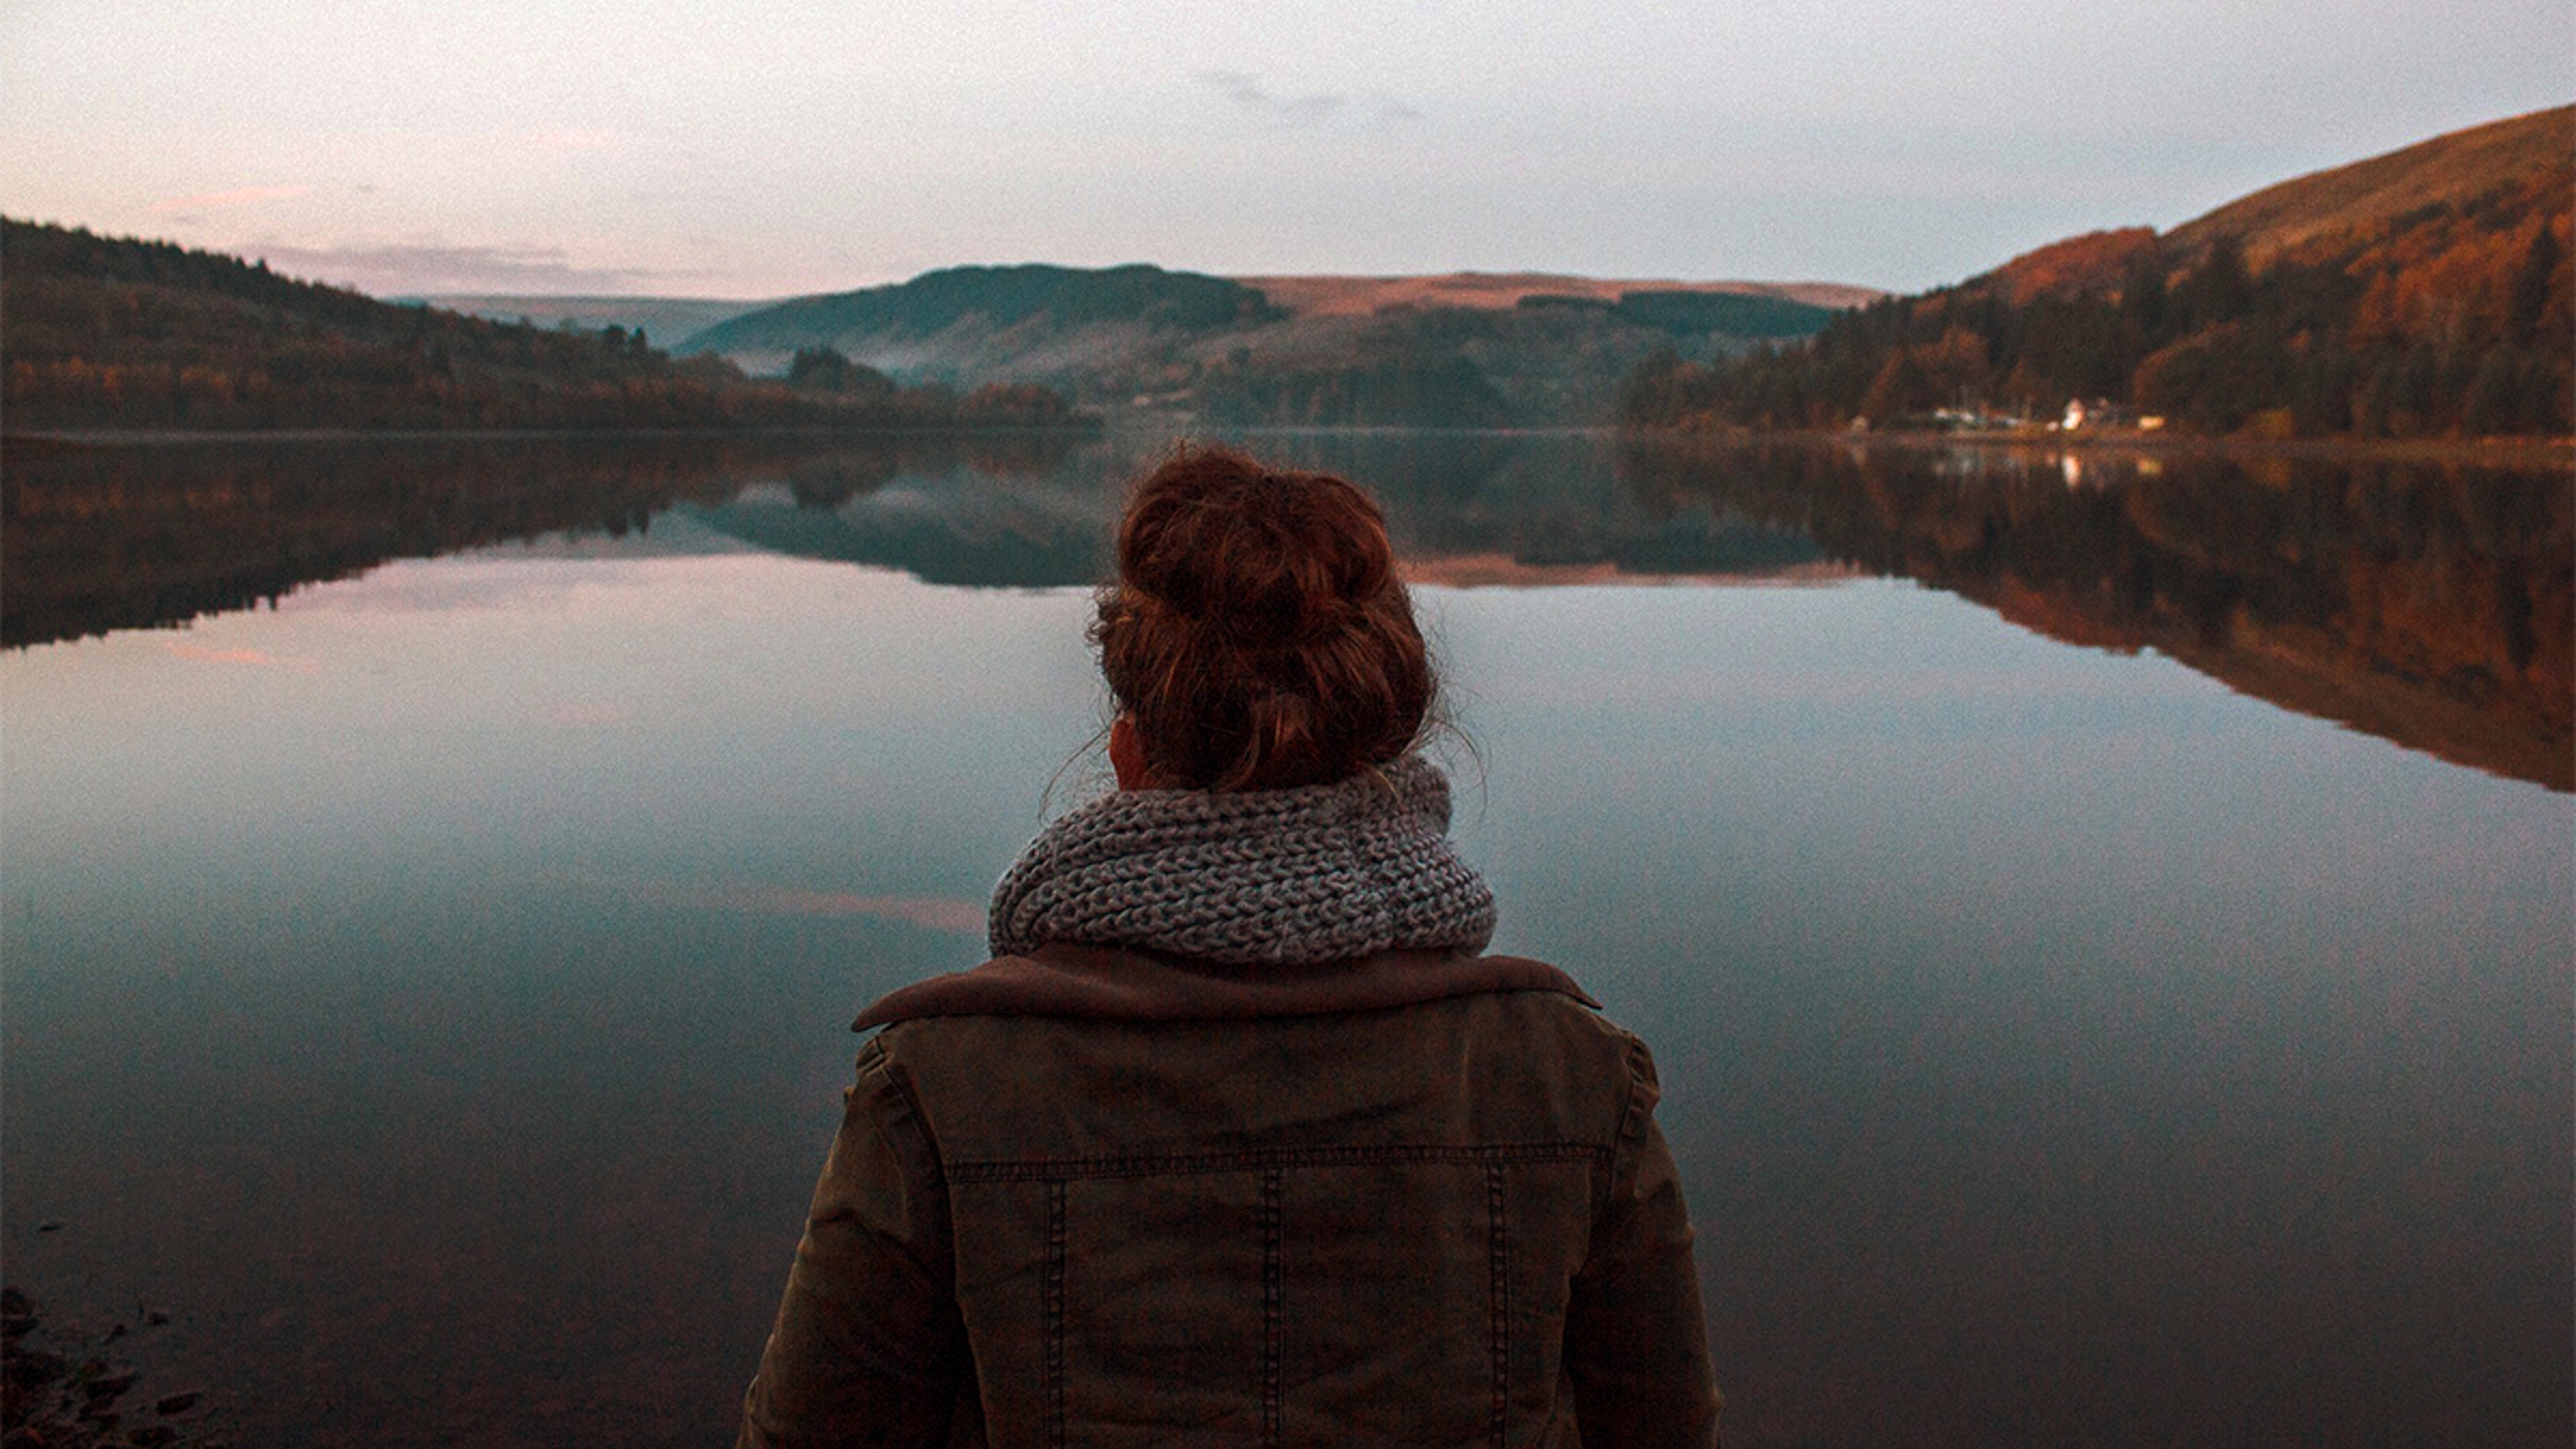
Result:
[2455,170]
[105,333]
[966,306]
[1466,349]
[2427,292]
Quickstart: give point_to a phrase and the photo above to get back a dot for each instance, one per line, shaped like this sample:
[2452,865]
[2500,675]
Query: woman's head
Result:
[1256,636]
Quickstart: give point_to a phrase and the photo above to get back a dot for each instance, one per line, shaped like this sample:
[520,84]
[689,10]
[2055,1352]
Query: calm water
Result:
[2105,927]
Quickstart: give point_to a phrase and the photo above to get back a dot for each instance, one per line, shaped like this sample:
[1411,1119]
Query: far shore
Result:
[2496,451]
[2511,452]
[64,439]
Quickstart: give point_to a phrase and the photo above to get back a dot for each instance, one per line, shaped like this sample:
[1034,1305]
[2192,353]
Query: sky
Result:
[759,150]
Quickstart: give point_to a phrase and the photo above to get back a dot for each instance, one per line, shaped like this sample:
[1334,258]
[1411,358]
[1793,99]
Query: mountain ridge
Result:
[1447,349]
[121,334]
[2425,292]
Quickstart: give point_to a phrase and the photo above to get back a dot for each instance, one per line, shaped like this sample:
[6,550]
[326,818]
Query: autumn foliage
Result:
[2455,318]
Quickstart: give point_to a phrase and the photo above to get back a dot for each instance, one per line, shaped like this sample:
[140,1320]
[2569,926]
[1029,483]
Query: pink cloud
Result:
[237,656]
[430,268]
[240,196]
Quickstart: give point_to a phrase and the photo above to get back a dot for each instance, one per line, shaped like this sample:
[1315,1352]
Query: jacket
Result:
[1106,1197]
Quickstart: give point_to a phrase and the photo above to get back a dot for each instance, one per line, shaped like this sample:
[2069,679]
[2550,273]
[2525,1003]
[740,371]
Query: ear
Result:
[1127,755]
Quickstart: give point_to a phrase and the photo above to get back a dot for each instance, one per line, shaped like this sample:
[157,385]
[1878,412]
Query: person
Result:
[1240,1137]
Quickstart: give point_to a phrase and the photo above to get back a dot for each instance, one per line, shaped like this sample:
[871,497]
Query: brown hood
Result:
[1118,984]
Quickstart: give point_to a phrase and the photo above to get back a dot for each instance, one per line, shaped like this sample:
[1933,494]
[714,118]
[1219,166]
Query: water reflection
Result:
[2427,604]
[2434,605]
[433,990]
[100,538]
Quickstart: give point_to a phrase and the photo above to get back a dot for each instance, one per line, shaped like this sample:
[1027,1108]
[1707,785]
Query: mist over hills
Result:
[1458,350]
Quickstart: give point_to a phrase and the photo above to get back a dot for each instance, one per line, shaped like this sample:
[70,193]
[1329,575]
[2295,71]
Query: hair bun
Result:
[1257,632]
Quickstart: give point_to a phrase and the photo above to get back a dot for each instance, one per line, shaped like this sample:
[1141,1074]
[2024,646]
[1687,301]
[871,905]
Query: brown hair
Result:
[1256,632]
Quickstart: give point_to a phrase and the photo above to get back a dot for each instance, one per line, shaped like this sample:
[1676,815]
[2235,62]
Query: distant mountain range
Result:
[1460,348]
[2426,292]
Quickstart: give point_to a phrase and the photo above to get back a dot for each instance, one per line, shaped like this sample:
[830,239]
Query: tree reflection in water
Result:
[2426,603]
[2429,604]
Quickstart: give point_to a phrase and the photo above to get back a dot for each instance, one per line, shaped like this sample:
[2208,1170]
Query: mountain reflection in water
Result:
[2429,604]
[2433,605]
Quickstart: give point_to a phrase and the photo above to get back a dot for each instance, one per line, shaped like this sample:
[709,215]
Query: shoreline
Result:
[71,439]
[2508,451]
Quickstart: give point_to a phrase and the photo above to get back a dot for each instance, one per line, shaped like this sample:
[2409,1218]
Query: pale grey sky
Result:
[765,149]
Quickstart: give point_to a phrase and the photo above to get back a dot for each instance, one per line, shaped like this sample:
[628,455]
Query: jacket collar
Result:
[1109,983]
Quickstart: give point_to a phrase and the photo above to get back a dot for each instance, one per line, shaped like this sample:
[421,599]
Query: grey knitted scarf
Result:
[1255,877]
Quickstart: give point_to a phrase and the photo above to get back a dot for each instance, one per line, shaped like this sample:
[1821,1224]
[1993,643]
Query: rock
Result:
[176,1403]
[108,1383]
[154,1317]
[34,1368]
[151,1435]
[49,1225]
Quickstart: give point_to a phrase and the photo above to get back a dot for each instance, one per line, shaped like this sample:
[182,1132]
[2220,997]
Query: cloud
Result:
[1246,92]
[428,269]
[239,196]
[186,650]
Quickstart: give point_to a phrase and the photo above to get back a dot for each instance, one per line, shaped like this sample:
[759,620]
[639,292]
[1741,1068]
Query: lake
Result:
[2104,920]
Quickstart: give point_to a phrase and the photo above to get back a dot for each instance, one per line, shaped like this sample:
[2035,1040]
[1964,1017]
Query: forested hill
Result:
[2427,292]
[107,333]
[1461,350]
[994,298]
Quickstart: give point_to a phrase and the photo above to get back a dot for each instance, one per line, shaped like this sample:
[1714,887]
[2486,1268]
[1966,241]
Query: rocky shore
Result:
[61,1388]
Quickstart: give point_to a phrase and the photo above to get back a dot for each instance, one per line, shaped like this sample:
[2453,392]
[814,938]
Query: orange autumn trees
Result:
[2428,293]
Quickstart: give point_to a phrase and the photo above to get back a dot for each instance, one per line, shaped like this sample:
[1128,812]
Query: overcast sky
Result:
[744,150]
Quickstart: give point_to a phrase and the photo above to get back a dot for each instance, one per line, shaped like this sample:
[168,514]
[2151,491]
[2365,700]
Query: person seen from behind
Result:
[1240,1137]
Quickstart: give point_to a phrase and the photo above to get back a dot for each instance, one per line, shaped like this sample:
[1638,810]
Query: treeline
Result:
[998,298]
[2458,319]
[1410,389]
[113,334]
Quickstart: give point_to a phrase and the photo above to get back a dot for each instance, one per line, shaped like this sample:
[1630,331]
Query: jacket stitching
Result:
[1059,1169]
[1055,1416]
[1273,1306]
[1498,1244]
[1622,1162]
[902,1119]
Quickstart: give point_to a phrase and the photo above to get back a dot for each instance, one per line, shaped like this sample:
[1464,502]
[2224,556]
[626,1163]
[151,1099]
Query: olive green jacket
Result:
[1124,1200]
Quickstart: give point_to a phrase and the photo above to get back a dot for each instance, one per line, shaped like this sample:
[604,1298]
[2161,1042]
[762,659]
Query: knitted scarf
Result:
[1255,877]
